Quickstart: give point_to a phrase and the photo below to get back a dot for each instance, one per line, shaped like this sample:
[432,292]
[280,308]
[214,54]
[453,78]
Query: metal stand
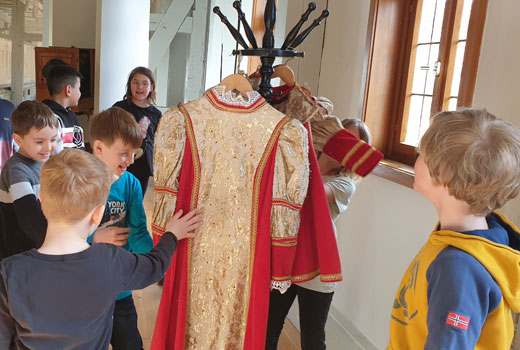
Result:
[267,52]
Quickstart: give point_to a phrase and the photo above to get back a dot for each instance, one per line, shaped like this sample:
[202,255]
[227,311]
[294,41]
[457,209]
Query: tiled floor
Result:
[147,303]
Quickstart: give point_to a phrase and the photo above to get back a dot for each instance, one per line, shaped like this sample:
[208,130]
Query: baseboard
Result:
[350,329]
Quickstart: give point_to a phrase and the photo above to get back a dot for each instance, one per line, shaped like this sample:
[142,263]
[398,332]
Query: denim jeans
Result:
[125,335]
[314,310]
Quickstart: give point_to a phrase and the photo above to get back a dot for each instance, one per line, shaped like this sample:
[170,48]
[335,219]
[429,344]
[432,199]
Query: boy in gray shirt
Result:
[35,130]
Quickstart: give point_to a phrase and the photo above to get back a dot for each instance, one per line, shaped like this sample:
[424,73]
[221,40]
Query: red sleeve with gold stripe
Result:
[283,252]
[157,234]
[353,153]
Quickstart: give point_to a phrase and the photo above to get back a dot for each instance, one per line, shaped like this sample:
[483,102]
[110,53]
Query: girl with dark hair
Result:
[139,100]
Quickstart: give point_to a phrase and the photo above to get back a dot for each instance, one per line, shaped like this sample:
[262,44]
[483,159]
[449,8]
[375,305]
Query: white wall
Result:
[499,72]
[221,43]
[387,223]
[306,69]
[121,45]
[74,23]
[343,55]
[379,235]
[220,62]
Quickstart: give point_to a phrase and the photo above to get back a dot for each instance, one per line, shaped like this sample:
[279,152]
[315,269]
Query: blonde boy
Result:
[459,290]
[115,138]
[62,295]
[35,131]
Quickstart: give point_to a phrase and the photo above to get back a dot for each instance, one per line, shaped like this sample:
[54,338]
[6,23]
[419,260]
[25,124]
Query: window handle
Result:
[436,68]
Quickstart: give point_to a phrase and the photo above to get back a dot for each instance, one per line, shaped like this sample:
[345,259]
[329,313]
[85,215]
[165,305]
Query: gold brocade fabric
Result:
[230,141]
[170,140]
[290,182]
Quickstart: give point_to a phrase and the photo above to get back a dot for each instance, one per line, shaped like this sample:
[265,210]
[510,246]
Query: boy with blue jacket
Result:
[459,290]
[116,138]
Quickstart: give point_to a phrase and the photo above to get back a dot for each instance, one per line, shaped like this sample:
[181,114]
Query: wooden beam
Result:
[258,26]
[32,37]
[5,17]
[155,18]
[29,38]
[17,51]
[472,54]
[48,6]
[178,65]
[161,81]
[198,52]
[166,30]
[37,4]
[185,27]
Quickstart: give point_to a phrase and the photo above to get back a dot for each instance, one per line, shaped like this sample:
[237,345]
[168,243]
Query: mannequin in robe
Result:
[244,166]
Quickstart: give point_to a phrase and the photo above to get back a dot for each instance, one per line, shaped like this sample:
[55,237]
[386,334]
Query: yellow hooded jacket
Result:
[459,291]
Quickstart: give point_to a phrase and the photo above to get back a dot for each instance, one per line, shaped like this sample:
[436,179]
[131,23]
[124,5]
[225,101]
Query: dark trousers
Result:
[140,170]
[125,335]
[314,310]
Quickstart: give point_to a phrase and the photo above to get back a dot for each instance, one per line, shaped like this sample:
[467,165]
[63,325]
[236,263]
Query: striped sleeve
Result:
[24,186]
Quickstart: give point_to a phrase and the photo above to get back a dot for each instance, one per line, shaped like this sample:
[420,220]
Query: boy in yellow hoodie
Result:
[459,290]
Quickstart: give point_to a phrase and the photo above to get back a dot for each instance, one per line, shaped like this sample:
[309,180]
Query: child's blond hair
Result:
[364,132]
[115,123]
[73,183]
[475,155]
[32,114]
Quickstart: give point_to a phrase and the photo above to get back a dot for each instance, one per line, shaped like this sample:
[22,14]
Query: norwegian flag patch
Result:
[457,320]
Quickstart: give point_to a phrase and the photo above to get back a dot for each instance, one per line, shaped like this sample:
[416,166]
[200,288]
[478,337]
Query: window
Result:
[422,58]
[24,25]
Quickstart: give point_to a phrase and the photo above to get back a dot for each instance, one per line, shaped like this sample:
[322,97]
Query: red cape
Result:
[317,250]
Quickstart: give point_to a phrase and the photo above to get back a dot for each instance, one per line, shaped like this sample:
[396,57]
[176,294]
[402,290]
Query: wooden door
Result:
[68,55]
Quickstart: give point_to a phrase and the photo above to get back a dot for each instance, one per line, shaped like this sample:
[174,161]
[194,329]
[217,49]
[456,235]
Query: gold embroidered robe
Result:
[231,141]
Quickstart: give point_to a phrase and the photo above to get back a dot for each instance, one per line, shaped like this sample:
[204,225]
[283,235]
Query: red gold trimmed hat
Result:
[353,153]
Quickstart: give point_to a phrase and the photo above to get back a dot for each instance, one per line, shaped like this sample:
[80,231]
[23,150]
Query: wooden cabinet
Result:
[82,60]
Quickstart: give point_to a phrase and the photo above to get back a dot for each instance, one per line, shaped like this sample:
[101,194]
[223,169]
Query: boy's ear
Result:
[97,215]
[18,139]
[97,147]
[67,90]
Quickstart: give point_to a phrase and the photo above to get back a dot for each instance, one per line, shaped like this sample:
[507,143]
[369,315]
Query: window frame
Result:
[388,61]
